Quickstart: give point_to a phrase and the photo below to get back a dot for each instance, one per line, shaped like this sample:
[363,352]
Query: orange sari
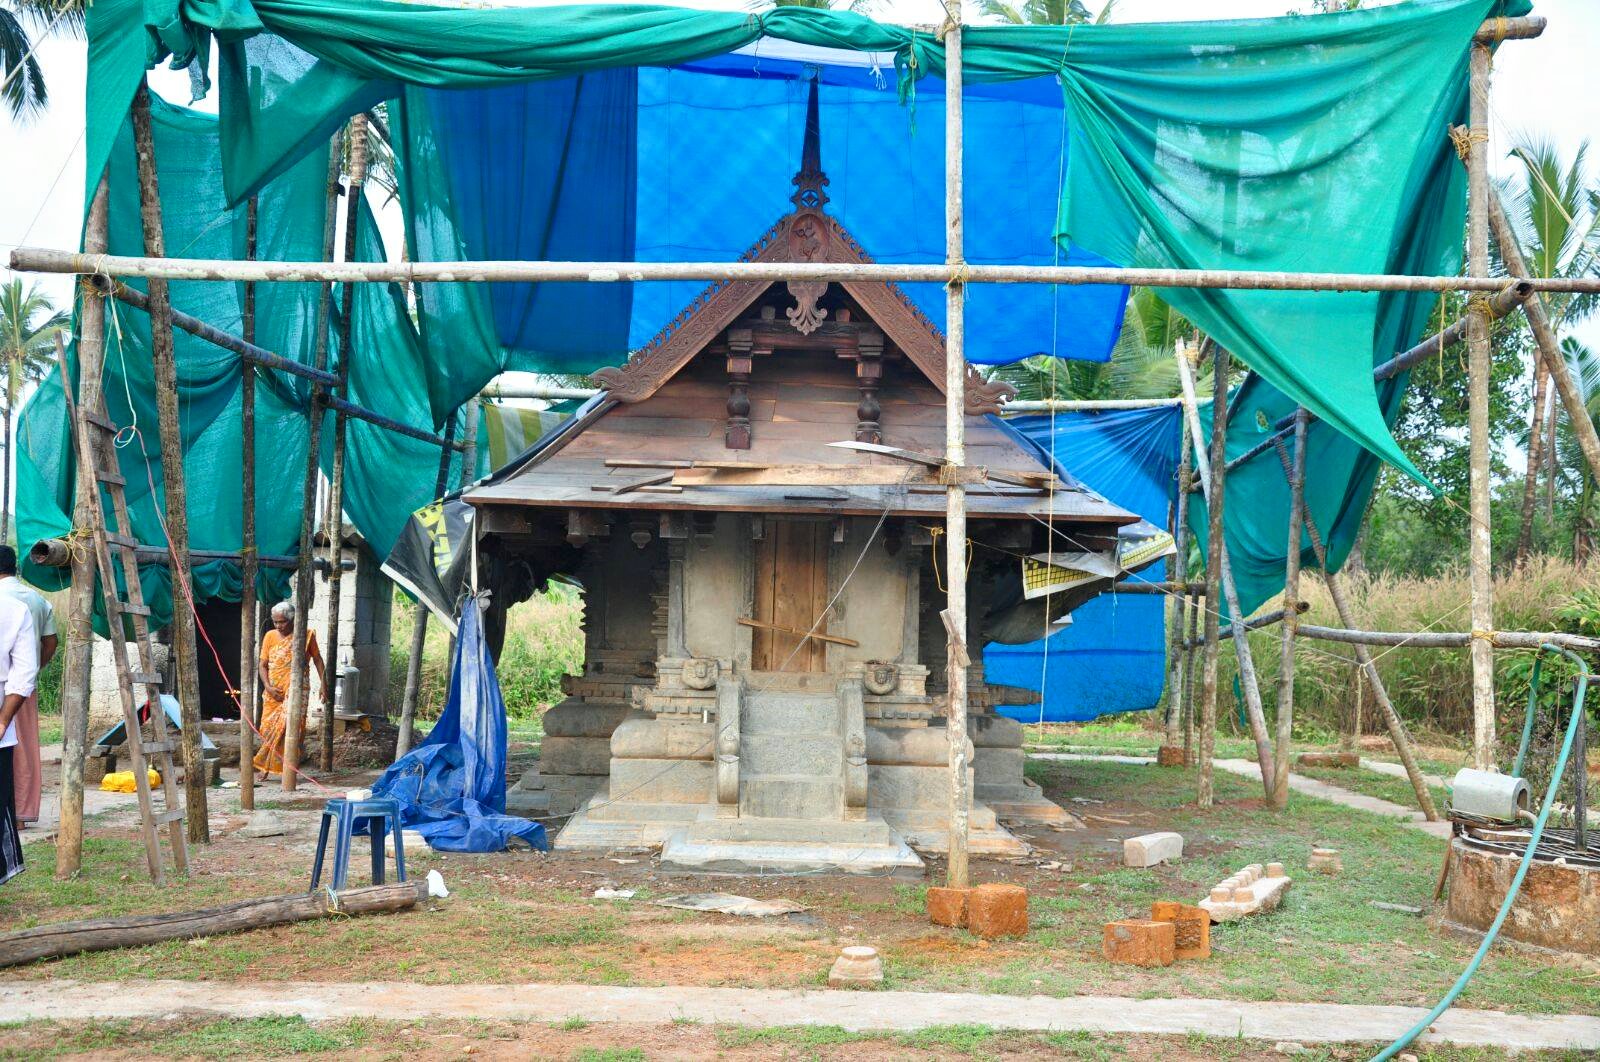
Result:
[277,653]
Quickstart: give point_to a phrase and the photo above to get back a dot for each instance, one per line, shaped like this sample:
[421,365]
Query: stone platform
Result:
[751,845]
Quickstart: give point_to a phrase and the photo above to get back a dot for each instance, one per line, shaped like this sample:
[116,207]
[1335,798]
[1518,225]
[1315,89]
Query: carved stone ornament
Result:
[880,678]
[700,673]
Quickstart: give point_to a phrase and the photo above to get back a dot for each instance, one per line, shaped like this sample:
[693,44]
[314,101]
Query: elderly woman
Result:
[277,655]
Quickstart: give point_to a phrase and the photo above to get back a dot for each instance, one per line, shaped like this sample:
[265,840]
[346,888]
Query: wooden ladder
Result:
[95,434]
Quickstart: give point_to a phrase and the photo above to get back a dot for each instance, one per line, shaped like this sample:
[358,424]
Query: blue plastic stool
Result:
[382,814]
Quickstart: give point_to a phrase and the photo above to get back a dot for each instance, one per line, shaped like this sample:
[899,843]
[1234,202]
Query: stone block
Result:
[1191,928]
[911,746]
[579,718]
[1170,756]
[856,967]
[996,910]
[1139,942]
[996,732]
[819,755]
[1325,861]
[1002,766]
[663,739]
[575,755]
[948,907]
[790,797]
[909,787]
[661,781]
[1149,849]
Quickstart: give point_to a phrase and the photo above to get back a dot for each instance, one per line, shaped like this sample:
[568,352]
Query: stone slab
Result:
[746,846]
[1151,849]
[1138,942]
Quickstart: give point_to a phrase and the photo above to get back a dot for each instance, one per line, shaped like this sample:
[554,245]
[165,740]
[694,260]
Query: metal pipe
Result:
[46,260]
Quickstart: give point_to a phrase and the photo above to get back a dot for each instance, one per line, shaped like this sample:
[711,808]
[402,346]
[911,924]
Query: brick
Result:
[1191,928]
[1170,756]
[1149,849]
[1329,759]
[1139,942]
[948,907]
[996,910]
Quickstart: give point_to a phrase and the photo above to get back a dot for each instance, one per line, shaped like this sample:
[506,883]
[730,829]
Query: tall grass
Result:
[1431,688]
[544,640]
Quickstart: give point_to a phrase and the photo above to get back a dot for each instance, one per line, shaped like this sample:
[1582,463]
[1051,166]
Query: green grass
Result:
[269,1037]
[1371,783]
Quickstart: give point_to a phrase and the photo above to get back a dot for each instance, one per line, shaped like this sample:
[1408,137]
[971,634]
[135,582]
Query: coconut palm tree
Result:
[28,327]
[24,91]
[1553,211]
[1141,364]
[1044,12]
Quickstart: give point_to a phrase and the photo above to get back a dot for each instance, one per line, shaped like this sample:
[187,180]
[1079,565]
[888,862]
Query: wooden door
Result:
[791,572]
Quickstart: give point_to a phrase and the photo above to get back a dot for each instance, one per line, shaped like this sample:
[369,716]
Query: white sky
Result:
[1545,87]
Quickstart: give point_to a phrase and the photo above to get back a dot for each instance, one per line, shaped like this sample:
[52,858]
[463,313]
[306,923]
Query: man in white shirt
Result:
[19,669]
[26,768]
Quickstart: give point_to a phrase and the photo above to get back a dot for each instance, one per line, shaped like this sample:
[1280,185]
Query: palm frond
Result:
[25,93]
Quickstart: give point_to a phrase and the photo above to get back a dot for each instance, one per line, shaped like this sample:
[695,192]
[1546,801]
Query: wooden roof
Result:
[799,403]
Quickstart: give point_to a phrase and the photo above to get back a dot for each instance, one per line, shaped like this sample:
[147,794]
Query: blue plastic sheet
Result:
[452,786]
[1113,656]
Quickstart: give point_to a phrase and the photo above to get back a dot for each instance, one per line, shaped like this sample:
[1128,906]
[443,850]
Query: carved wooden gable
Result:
[725,318]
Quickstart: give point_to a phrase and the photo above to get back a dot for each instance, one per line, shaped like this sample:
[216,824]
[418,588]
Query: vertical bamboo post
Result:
[1530,479]
[469,443]
[1478,364]
[175,494]
[955,455]
[1194,608]
[419,624]
[248,629]
[300,679]
[1213,474]
[1369,668]
[1178,573]
[1205,793]
[335,520]
[79,658]
[1291,614]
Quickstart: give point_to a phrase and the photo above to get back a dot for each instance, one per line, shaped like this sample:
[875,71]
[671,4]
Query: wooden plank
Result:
[800,475]
[882,450]
[831,639]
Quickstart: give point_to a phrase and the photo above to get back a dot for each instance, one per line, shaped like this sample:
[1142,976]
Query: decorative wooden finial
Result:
[810,181]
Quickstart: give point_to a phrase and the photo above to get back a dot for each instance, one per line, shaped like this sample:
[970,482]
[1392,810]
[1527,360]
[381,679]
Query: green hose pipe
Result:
[1527,857]
[1527,720]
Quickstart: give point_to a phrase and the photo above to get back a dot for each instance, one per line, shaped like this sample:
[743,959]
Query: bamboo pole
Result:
[419,626]
[955,454]
[1451,639]
[1530,479]
[1478,364]
[1291,619]
[1369,668]
[1189,752]
[335,522]
[78,661]
[1544,334]
[300,679]
[47,260]
[1214,483]
[1205,794]
[469,460]
[1180,603]
[1255,623]
[249,628]
[174,488]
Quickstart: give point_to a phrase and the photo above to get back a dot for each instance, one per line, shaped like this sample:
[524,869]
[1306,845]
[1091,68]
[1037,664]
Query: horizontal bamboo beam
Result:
[547,393]
[350,409]
[1087,405]
[45,260]
[217,337]
[1266,619]
[55,553]
[1133,586]
[1496,30]
[1449,639]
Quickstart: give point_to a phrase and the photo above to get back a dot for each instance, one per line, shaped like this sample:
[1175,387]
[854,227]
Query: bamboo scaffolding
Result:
[1179,565]
[249,624]
[173,479]
[47,260]
[334,523]
[1451,639]
[1291,615]
[1205,794]
[1212,472]
[1480,577]
[955,453]
[1254,623]
[300,677]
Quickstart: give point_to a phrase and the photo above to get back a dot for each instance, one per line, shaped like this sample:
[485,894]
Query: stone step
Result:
[820,756]
[789,713]
[789,797]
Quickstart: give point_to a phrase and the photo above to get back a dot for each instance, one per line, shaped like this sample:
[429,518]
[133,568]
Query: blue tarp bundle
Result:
[1113,656]
[452,786]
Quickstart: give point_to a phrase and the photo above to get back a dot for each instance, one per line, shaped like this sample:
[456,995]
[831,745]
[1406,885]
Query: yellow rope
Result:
[1463,139]
[958,276]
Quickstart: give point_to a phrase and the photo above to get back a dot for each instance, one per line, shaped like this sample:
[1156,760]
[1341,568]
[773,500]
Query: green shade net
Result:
[389,474]
[1315,143]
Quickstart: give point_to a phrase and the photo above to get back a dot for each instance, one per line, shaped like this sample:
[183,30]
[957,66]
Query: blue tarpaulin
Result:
[1113,656]
[452,786]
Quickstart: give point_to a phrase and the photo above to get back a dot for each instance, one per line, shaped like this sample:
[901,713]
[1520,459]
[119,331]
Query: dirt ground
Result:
[532,917]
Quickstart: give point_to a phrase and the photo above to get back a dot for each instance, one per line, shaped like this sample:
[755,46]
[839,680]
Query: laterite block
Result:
[1139,942]
[1191,928]
[948,907]
[1170,756]
[996,910]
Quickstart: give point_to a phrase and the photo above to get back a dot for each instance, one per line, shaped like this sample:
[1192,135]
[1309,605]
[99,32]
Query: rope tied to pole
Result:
[1462,139]
[1482,635]
[959,274]
[1482,305]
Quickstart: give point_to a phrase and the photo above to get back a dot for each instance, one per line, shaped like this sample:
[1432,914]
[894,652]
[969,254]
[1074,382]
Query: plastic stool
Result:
[382,814]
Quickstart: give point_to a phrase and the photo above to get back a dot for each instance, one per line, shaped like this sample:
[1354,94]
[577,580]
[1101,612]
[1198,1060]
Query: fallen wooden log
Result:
[102,934]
